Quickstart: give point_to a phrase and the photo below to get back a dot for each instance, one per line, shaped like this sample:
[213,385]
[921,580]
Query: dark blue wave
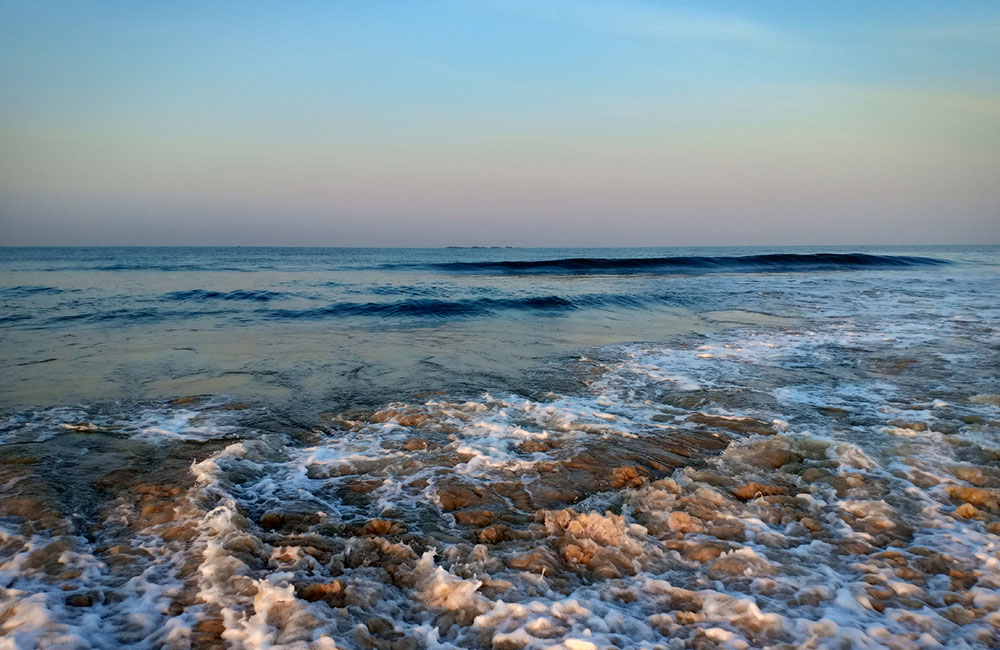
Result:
[31,290]
[474,307]
[14,318]
[773,263]
[410,308]
[132,316]
[238,294]
[142,266]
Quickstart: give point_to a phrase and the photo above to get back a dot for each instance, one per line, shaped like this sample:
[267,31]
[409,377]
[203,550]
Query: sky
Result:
[499,122]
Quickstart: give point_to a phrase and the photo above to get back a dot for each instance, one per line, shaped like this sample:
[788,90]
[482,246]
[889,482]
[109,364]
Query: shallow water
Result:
[469,448]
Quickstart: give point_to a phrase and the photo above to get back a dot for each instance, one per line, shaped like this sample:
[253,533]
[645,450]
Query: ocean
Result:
[500,448]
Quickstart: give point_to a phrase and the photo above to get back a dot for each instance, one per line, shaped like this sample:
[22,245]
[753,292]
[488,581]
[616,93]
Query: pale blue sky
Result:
[560,122]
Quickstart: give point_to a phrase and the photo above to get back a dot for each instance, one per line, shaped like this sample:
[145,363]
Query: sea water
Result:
[500,448]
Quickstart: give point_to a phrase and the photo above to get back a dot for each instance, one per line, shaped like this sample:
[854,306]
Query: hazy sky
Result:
[557,122]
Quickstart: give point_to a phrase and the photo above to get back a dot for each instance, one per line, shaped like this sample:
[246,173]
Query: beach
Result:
[299,448]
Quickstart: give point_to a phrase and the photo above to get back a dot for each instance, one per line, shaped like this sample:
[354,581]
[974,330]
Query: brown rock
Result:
[911,575]
[208,632]
[737,424]
[476,518]
[684,523]
[811,524]
[363,487]
[979,497]
[770,454]
[289,521]
[630,476]
[737,565]
[379,626]
[813,474]
[533,446]
[705,552]
[727,531]
[969,511]
[958,615]
[974,475]
[855,547]
[880,593]
[752,490]
[80,600]
[492,535]
[328,592]
[932,564]
[383,527]
[454,497]
[537,561]
[415,444]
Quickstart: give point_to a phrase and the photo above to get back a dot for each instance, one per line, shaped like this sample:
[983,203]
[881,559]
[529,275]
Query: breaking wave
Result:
[425,307]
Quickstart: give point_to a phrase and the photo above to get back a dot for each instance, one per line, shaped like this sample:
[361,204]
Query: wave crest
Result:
[776,262]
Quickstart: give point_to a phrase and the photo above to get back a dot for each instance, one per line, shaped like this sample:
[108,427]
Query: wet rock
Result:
[833,411]
[454,497]
[48,557]
[367,641]
[969,511]
[921,479]
[746,425]
[933,564]
[855,547]
[749,491]
[738,564]
[415,444]
[80,600]
[985,399]
[629,477]
[207,633]
[698,551]
[978,476]
[476,518]
[958,615]
[892,366]
[732,531]
[769,454]
[363,487]
[880,593]
[288,521]
[383,527]
[710,477]
[979,497]
[813,474]
[18,460]
[668,484]
[331,593]
[379,626]
[154,514]
[682,522]
[534,447]
[811,525]
[907,424]
[537,561]
[404,643]
[500,533]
